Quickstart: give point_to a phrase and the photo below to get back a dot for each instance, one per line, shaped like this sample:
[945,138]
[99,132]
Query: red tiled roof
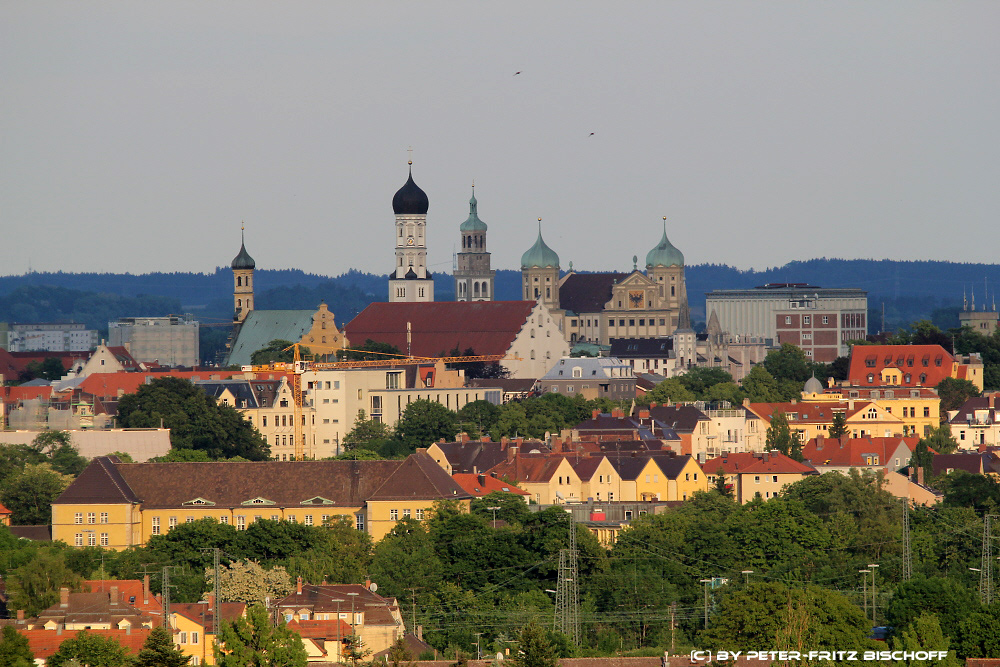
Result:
[854,451]
[21,393]
[204,613]
[4,510]
[483,485]
[44,643]
[108,385]
[807,412]
[129,591]
[528,468]
[331,629]
[754,462]
[915,360]
[488,327]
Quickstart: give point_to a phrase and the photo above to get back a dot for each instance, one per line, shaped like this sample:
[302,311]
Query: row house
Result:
[911,366]
[919,407]
[879,455]
[135,501]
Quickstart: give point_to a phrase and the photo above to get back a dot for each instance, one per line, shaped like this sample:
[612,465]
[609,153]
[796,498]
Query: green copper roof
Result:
[664,254]
[473,223]
[539,255]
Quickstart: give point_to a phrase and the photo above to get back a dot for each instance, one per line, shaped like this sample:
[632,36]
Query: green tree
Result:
[781,437]
[534,649]
[366,434]
[671,390]
[698,380]
[278,351]
[924,634]
[14,649]
[253,640]
[56,448]
[183,456]
[425,422]
[406,558]
[49,369]
[950,601]
[788,363]
[355,649]
[760,386]
[29,494]
[954,393]
[965,489]
[839,425]
[941,440]
[194,418]
[720,483]
[90,650]
[980,634]
[478,417]
[159,651]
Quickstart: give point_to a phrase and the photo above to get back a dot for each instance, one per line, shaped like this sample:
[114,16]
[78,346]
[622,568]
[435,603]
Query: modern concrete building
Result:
[819,320]
[50,337]
[170,341]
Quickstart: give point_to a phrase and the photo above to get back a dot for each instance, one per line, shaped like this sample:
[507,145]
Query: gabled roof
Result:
[92,609]
[418,476]
[334,629]
[854,452]
[817,412]
[756,462]
[324,598]
[130,591]
[262,326]
[530,468]
[475,456]
[488,327]
[642,348]
[107,386]
[973,462]
[586,467]
[682,418]
[483,485]
[671,466]
[100,482]
[967,412]
[628,467]
[587,292]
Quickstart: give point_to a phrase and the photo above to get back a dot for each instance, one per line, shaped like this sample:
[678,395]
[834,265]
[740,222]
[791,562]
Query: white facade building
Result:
[51,337]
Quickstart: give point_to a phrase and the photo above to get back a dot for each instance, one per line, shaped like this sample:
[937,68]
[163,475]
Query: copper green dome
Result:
[664,254]
[473,223]
[539,256]
[243,261]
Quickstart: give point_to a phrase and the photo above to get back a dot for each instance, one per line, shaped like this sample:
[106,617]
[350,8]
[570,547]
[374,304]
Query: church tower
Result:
[243,266]
[665,266]
[473,276]
[410,279]
[540,273]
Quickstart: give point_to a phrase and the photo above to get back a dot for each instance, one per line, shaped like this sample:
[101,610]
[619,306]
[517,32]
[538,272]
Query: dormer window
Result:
[198,502]
[258,501]
[317,500]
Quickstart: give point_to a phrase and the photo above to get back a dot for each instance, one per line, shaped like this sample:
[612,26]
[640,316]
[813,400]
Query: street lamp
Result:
[706,582]
[494,509]
[338,601]
[746,576]
[479,652]
[873,567]
[353,630]
[864,588]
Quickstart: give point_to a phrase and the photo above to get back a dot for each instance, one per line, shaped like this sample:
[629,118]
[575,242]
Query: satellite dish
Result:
[373,587]
[499,655]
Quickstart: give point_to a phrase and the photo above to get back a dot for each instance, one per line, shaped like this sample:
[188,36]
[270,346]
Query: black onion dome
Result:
[243,261]
[409,199]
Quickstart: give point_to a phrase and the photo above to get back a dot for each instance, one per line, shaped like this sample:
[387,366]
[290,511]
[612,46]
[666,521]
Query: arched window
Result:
[239,281]
[486,289]
[475,289]
[239,303]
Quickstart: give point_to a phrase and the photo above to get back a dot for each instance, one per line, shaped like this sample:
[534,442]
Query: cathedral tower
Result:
[243,267]
[410,279]
[665,266]
[473,276]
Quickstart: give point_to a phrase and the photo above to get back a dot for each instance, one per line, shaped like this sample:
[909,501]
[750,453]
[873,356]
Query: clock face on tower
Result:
[409,241]
[635,299]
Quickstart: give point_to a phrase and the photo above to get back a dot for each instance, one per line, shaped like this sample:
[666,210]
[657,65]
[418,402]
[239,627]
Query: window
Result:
[291,517]
[194,637]
[173,521]
[756,479]
[91,539]
[78,517]
[183,638]
[406,514]
[241,523]
[807,335]
[309,519]
[774,478]
[806,319]
[359,521]
[788,319]
[224,520]
[190,519]
[927,412]
[91,517]
[104,517]
[826,319]
[156,526]
[420,515]
[78,541]
[611,495]
[104,539]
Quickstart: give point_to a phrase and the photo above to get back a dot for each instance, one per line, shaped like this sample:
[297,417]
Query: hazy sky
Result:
[136,136]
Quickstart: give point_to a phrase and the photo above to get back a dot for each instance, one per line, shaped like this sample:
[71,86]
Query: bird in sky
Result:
[516,73]
[591,134]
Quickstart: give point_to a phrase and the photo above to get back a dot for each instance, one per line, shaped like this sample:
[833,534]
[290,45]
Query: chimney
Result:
[420,632]
[128,629]
[643,414]
[210,598]
[368,583]
[765,456]
[519,441]
[114,595]
[63,597]
[652,405]
[819,441]
[843,440]
[511,453]
[920,475]
[145,589]
[20,616]
[59,629]
[298,585]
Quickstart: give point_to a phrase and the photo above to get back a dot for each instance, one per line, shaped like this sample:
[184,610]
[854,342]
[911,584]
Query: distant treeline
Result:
[909,291]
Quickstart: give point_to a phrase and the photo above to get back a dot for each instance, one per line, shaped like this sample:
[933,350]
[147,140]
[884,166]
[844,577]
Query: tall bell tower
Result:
[243,267]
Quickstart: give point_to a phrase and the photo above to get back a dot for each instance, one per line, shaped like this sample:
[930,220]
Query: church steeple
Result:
[410,280]
[243,267]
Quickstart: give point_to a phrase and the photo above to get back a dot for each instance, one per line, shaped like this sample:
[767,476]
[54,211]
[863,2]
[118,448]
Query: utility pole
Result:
[907,554]
[864,588]
[706,582]
[413,612]
[165,594]
[873,567]
[673,623]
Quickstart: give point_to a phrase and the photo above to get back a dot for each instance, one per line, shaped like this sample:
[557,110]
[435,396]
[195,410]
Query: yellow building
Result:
[193,627]
[550,479]
[919,408]
[118,505]
[756,474]
[811,419]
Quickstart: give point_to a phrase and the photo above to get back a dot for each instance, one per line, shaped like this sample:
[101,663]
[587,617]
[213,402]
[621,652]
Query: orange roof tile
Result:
[483,485]
[44,643]
[755,462]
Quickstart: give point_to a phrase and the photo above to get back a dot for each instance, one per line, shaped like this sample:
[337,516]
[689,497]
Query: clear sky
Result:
[137,136]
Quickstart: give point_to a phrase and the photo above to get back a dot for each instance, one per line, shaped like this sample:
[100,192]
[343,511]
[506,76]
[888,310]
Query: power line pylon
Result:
[986,571]
[567,618]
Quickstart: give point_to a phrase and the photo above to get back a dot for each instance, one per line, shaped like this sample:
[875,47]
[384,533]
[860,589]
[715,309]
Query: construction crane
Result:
[299,366]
